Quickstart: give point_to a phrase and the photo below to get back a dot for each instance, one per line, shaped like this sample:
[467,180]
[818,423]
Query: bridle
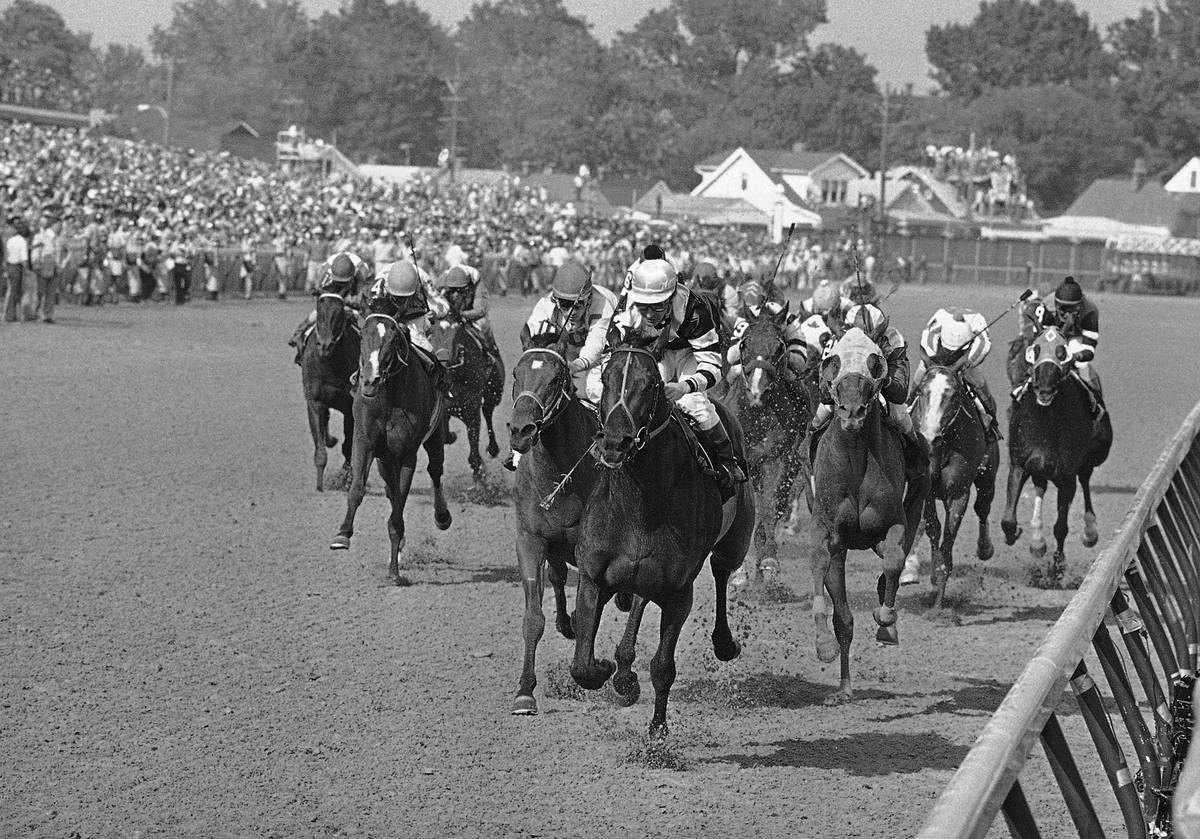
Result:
[777,362]
[562,396]
[642,434]
[959,402]
[386,360]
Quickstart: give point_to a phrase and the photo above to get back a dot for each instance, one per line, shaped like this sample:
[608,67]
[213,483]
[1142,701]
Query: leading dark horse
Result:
[960,456]
[1052,439]
[867,498]
[327,360]
[651,520]
[397,410]
[773,409]
[476,382]
[553,431]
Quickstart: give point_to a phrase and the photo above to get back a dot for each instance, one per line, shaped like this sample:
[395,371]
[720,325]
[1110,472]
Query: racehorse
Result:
[960,456]
[553,431]
[651,519]
[867,497]
[773,408]
[476,383]
[397,409]
[327,361]
[1052,439]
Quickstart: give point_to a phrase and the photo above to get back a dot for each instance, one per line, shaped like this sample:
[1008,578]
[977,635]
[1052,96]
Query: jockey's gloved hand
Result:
[675,391]
[577,366]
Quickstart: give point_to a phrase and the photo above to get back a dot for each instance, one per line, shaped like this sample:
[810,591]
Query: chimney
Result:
[1139,173]
[799,147]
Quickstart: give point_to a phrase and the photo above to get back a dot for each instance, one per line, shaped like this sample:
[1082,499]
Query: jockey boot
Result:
[816,427]
[510,462]
[733,470]
[986,407]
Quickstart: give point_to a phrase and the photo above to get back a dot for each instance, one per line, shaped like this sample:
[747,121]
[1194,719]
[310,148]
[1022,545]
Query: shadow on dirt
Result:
[975,697]
[489,574]
[992,614]
[768,690]
[865,755]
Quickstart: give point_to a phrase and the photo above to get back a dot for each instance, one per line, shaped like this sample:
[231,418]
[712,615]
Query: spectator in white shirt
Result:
[43,255]
[20,292]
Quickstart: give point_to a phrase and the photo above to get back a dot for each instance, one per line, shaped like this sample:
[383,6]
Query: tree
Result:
[374,72]
[1017,43]
[35,36]
[535,83]
[120,77]
[234,59]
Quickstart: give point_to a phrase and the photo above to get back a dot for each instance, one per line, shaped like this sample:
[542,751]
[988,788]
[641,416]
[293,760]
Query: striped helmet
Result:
[870,319]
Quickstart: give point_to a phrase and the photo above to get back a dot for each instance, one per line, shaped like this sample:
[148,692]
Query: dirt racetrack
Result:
[184,657]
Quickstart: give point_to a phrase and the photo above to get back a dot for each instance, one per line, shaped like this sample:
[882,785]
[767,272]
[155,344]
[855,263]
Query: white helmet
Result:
[653,281]
[956,332]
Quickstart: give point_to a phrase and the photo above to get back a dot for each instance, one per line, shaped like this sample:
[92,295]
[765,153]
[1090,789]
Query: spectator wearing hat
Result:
[20,291]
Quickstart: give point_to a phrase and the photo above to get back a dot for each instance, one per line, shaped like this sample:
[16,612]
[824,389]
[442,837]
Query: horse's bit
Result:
[642,434]
[551,411]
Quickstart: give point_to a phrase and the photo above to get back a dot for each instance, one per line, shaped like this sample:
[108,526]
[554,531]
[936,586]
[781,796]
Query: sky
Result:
[891,33]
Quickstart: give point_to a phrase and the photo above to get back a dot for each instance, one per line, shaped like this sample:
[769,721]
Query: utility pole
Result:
[170,100]
[883,149]
[453,100]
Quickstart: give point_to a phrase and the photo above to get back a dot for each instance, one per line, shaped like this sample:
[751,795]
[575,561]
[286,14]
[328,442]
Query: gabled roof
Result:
[776,176]
[243,127]
[945,194]
[1148,206]
[620,192]
[783,161]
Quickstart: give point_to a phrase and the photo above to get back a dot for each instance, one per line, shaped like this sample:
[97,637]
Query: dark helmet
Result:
[653,252]
[341,268]
[1068,294]
[706,276]
[571,282]
[456,277]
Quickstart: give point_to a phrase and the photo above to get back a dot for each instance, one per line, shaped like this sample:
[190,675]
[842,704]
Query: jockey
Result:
[404,291]
[827,302]
[469,298]
[860,290]
[1079,320]
[584,311]
[343,274]
[691,363]
[877,326]
[794,335]
[705,278]
[958,339]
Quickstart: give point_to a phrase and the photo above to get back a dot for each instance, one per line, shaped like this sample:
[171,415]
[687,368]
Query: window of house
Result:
[1193,179]
[826,196]
[745,181]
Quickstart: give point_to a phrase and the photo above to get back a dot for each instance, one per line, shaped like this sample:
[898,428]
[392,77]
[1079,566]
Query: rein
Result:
[562,397]
[337,337]
[385,363]
[642,434]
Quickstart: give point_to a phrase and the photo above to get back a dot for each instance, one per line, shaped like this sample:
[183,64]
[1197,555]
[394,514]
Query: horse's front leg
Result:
[493,448]
[589,608]
[933,530]
[843,625]
[1016,482]
[318,425]
[822,557]
[436,453]
[985,493]
[1090,535]
[557,571]
[398,480]
[531,553]
[891,551]
[955,510]
[662,667]
[1065,493]
[625,681]
[346,407]
[470,418]
[1037,539]
[360,466]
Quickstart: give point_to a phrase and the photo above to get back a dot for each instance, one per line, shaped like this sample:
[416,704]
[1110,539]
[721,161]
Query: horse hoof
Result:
[727,649]
[399,580]
[451,439]
[1090,534]
[330,442]
[594,677]
[827,649]
[884,615]
[320,485]
[888,635]
[840,697]
[659,732]
[911,574]
[1037,549]
[626,689]
[493,449]
[442,519]
[623,601]
[566,629]
[1011,535]
[738,579]
[524,706]
[985,551]
[769,568]
[340,543]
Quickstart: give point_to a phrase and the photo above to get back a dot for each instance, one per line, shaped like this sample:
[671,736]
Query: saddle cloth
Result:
[707,461]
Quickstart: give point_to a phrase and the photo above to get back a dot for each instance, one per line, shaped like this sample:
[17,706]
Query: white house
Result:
[785,185]
[1187,179]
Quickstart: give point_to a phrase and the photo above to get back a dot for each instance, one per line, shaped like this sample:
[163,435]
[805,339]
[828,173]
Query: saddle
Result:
[707,460]
[434,368]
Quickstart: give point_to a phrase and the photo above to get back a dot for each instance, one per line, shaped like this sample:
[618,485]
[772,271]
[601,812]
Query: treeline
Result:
[1035,79]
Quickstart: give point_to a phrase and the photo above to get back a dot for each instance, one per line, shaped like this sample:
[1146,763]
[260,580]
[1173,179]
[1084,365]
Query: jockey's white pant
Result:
[416,332]
[679,364]
[1088,375]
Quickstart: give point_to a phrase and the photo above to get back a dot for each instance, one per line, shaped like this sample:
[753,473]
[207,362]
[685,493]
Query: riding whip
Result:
[783,252]
[1025,295]
[546,503]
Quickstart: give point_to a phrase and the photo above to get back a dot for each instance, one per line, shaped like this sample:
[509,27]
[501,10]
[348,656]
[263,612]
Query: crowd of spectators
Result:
[120,217]
[39,87]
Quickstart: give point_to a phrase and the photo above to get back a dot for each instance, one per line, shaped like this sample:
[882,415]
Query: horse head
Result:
[443,334]
[938,400]
[852,375]
[763,350]
[631,404]
[385,346]
[1051,361]
[541,389]
[331,323]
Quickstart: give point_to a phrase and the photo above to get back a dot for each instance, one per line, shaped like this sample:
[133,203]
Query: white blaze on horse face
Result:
[756,390]
[373,365]
[938,390]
